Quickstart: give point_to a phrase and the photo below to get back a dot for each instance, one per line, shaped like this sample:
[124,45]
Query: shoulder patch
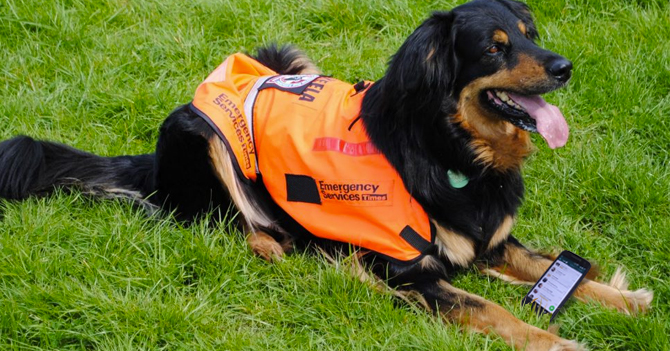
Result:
[295,84]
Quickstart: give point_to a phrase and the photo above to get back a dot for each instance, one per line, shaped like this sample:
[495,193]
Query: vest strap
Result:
[416,240]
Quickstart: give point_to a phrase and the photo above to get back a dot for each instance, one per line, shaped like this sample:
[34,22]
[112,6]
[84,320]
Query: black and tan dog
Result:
[451,116]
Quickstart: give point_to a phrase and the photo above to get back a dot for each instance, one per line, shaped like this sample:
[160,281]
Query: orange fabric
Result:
[221,98]
[314,135]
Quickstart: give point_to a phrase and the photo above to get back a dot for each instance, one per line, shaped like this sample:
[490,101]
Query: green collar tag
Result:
[457,179]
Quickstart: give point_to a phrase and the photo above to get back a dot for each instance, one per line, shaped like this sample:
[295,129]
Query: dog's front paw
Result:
[555,345]
[616,294]
[546,341]
[629,302]
[635,302]
[568,345]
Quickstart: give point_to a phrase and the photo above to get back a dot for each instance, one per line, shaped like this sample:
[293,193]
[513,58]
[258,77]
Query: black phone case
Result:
[572,257]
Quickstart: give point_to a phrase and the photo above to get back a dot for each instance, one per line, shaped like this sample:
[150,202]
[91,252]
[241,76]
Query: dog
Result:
[445,132]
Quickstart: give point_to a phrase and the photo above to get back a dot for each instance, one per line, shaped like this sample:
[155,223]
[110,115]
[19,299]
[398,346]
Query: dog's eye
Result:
[494,50]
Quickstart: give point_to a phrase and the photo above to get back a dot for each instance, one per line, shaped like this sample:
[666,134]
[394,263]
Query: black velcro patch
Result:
[295,84]
[301,188]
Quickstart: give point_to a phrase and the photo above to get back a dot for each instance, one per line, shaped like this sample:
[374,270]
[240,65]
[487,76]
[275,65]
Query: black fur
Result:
[185,180]
[285,59]
[30,167]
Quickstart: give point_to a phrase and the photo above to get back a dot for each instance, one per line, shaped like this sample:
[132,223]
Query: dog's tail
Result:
[31,167]
[285,60]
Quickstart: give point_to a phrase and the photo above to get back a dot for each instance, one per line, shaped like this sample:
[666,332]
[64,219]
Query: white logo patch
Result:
[292,81]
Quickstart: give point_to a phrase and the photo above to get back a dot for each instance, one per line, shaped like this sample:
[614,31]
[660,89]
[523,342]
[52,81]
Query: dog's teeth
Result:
[502,95]
[506,99]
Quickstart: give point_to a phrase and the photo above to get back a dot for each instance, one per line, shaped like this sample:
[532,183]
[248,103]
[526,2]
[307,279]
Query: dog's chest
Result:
[477,218]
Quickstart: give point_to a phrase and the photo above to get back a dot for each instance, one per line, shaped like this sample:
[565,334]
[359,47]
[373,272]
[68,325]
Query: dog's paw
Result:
[615,294]
[547,341]
[637,301]
[265,246]
[556,345]
[631,302]
[568,345]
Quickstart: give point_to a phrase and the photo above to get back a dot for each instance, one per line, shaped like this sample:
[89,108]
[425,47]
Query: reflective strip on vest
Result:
[249,102]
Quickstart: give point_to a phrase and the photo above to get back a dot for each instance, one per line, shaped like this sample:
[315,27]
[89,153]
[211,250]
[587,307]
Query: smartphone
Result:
[557,283]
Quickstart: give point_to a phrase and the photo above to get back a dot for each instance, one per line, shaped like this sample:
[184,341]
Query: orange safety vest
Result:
[300,133]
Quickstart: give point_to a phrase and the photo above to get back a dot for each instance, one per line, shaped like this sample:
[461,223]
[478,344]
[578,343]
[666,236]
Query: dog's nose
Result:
[561,69]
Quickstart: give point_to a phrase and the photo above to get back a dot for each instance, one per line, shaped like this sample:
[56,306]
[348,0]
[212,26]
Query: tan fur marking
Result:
[265,246]
[499,36]
[430,55]
[522,28]
[522,265]
[504,277]
[429,262]
[310,68]
[527,73]
[303,60]
[490,317]
[458,249]
[223,166]
[496,142]
[502,232]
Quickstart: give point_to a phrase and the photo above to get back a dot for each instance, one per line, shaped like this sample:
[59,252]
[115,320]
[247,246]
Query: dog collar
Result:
[457,179]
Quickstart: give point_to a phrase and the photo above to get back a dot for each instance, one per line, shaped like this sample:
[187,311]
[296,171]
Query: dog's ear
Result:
[426,61]
[522,11]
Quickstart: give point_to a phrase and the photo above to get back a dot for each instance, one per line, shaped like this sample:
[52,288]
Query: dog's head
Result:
[482,59]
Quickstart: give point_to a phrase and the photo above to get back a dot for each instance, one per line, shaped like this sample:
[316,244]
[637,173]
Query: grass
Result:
[101,75]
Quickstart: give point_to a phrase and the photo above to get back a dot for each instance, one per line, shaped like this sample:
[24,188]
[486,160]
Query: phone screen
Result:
[556,283]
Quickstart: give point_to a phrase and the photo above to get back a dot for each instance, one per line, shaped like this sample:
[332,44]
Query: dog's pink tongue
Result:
[550,121]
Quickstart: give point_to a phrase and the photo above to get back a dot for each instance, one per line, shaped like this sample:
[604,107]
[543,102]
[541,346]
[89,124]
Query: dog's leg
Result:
[265,238]
[519,265]
[267,246]
[478,314]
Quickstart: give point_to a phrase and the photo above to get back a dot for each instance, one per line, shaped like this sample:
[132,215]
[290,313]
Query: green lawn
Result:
[101,75]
